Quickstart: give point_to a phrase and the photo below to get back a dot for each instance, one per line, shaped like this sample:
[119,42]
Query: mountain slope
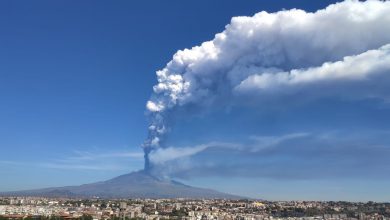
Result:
[133,185]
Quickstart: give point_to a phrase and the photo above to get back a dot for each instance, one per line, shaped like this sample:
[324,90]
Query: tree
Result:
[86,217]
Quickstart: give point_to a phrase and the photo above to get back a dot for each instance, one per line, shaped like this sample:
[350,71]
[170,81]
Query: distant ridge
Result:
[138,184]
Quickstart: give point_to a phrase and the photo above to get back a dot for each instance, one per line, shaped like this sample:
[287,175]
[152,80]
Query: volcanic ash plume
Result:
[340,48]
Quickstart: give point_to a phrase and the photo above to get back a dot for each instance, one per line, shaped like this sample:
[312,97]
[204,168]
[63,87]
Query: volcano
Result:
[138,184]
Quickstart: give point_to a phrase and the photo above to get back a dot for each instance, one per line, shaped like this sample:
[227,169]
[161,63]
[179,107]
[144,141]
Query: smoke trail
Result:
[156,132]
[271,52]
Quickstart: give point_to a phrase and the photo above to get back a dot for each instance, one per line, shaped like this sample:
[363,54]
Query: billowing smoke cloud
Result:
[343,49]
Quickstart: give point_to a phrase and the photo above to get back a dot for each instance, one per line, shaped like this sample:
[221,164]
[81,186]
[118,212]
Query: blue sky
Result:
[75,78]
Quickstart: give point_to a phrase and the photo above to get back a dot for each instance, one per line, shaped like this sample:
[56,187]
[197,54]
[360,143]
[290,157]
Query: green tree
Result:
[86,217]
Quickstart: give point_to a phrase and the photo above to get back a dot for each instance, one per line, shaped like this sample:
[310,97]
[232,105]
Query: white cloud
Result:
[163,155]
[99,167]
[87,155]
[336,154]
[263,142]
[95,160]
[172,153]
[257,143]
[154,107]
[362,69]
[8,162]
[87,160]
[342,46]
